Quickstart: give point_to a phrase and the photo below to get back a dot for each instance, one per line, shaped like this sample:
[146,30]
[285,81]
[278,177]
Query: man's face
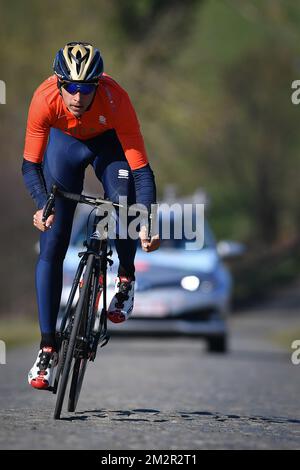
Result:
[77,104]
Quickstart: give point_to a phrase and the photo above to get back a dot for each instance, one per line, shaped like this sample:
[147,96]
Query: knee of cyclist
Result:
[54,251]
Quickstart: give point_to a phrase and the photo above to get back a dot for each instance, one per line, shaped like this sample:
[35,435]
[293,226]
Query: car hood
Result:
[168,267]
[162,268]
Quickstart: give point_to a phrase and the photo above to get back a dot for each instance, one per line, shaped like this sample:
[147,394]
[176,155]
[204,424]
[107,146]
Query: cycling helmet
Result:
[78,62]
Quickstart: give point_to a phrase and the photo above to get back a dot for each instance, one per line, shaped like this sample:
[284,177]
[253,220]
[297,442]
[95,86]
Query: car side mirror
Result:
[228,249]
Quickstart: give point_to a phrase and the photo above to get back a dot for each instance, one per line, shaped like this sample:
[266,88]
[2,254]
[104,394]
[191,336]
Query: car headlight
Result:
[193,283]
[190,283]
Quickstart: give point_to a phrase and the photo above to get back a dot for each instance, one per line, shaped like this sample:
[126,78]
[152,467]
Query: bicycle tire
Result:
[78,371]
[59,368]
[72,343]
[62,351]
[81,362]
[76,383]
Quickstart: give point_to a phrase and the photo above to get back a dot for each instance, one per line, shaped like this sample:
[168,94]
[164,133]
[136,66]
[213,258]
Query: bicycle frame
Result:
[97,246]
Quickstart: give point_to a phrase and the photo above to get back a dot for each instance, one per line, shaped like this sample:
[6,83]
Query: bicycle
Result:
[82,329]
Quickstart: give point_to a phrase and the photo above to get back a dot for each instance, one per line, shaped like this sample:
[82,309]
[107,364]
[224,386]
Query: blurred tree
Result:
[258,139]
[138,18]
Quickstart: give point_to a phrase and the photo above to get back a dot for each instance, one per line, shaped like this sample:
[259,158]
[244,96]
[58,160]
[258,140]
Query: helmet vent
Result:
[78,61]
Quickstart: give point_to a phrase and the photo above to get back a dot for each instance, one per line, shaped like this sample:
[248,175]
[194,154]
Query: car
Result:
[178,291]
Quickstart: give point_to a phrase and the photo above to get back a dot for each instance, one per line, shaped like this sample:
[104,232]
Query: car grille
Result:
[201,315]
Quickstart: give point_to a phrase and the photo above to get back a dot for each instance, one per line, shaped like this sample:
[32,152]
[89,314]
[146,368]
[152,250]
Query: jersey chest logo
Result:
[102,119]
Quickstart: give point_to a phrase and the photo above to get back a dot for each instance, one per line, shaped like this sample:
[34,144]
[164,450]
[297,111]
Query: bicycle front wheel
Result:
[62,355]
[76,383]
[79,313]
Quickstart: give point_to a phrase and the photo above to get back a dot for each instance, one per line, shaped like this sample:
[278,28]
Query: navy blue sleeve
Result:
[145,187]
[34,181]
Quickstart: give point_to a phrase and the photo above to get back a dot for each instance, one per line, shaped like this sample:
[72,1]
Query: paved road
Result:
[169,394]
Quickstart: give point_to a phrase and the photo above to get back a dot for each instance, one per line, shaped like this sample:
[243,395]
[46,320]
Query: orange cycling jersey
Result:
[111,109]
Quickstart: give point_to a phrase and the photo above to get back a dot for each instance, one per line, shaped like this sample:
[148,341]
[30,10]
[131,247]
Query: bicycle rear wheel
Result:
[79,312]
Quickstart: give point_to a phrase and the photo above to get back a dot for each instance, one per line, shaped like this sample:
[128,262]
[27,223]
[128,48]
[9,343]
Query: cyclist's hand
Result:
[149,245]
[38,221]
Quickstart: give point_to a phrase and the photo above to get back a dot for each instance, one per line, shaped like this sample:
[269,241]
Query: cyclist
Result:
[80,116]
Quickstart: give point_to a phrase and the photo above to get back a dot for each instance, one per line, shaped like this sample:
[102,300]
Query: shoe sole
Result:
[116,317]
[39,384]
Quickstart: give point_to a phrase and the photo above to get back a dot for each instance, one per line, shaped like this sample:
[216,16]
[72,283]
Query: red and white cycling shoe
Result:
[121,305]
[40,375]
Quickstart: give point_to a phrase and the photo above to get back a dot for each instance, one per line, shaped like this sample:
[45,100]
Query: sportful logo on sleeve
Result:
[123,174]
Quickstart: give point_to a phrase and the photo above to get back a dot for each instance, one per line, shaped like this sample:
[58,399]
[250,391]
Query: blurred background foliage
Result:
[211,83]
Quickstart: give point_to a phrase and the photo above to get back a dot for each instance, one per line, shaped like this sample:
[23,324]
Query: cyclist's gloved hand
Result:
[148,244]
[38,221]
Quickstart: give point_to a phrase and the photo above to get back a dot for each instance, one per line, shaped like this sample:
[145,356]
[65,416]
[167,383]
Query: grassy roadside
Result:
[285,338]
[260,272]
[18,331]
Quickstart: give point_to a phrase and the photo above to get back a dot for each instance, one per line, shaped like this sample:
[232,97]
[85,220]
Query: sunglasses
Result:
[83,88]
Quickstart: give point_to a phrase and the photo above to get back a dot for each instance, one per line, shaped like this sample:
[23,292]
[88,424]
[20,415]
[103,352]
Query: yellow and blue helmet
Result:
[78,62]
